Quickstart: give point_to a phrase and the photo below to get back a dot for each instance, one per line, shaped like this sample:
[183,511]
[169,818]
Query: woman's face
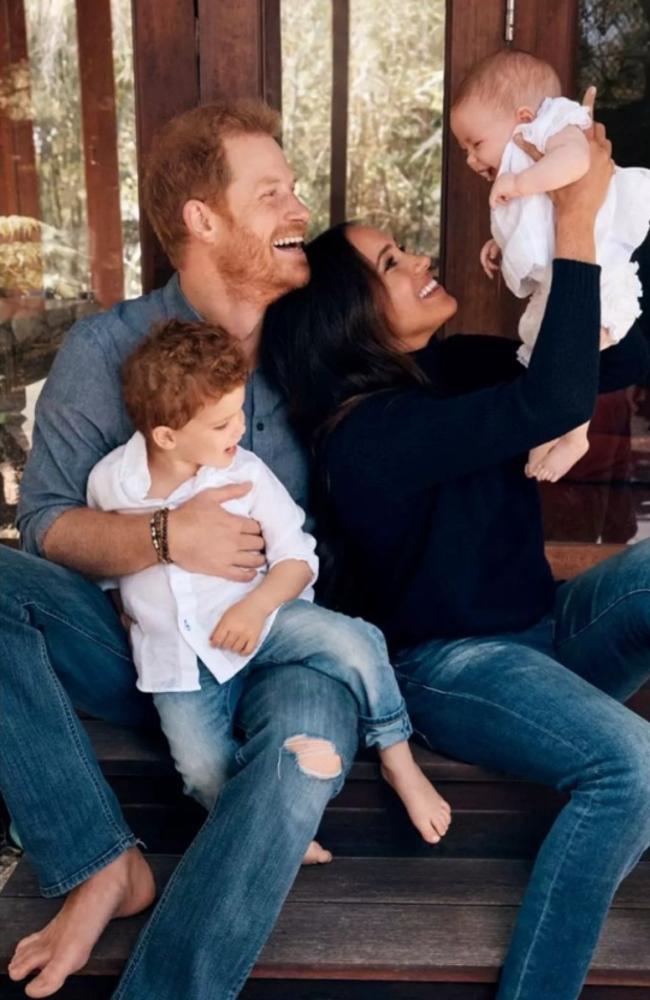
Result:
[416,304]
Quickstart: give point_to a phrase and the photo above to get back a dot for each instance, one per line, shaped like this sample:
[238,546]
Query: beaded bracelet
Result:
[158,527]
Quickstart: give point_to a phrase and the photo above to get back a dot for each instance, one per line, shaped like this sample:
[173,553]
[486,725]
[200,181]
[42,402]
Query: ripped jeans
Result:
[199,725]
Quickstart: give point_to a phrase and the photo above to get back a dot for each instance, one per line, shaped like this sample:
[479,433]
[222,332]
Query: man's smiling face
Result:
[260,252]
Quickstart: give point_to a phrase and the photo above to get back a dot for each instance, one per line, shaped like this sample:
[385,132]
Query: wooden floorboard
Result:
[412,921]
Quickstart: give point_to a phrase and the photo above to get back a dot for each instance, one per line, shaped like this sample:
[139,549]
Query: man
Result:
[221,198]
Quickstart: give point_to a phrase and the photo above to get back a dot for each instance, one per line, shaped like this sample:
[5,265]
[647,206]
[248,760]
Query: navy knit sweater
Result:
[427,488]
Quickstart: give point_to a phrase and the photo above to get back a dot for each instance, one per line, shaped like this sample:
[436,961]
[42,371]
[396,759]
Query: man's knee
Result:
[315,757]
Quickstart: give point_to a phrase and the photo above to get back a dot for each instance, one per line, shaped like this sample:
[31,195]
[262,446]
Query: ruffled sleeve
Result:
[555,114]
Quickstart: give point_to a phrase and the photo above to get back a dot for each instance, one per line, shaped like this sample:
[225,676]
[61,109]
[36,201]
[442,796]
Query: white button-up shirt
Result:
[174,611]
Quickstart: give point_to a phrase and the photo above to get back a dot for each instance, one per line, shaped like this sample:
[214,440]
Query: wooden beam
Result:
[166,82]
[239,50]
[340,99]
[547,28]
[99,121]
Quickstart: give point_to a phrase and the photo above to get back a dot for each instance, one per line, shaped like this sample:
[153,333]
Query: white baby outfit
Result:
[524,230]
[175,611]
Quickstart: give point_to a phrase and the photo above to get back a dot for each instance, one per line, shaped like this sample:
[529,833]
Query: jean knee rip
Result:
[315,757]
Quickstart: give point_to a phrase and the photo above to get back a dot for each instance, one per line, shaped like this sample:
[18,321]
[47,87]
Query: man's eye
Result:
[270,194]
[220,427]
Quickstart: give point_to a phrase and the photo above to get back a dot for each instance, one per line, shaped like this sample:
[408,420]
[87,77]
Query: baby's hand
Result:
[490,258]
[240,627]
[504,189]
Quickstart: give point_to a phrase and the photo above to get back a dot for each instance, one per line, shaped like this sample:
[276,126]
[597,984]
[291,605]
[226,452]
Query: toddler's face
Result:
[212,435]
[483,132]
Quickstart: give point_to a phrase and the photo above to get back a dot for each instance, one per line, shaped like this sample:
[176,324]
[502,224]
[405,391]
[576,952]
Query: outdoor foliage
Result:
[395,112]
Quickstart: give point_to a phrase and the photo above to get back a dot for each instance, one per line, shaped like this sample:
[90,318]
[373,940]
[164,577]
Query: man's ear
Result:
[164,437]
[202,223]
[524,114]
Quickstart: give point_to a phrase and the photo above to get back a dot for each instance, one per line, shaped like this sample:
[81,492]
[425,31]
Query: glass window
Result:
[393,111]
[69,240]
[606,497]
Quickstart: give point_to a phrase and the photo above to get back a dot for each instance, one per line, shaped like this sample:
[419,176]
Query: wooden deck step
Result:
[385,920]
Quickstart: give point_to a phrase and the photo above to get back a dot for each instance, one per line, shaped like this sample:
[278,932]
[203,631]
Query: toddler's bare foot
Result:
[316,855]
[428,811]
[63,946]
[562,457]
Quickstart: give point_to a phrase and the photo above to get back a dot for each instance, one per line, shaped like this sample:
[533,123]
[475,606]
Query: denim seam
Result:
[385,719]
[83,874]
[81,754]
[502,708]
[605,611]
[547,900]
[88,635]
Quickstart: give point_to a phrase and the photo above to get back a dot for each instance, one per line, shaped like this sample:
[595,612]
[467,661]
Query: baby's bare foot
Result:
[316,855]
[63,946]
[562,457]
[428,811]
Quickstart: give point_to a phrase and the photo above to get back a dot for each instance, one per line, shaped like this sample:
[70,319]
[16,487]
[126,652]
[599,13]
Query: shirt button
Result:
[259,425]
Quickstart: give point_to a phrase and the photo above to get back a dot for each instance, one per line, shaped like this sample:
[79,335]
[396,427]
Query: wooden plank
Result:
[166,83]
[569,559]
[550,31]
[431,881]
[99,123]
[339,121]
[322,940]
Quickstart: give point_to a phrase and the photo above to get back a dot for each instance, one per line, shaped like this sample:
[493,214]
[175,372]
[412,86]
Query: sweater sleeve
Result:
[412,440]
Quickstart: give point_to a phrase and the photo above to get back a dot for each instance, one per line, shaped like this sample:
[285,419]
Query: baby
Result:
[514,94]
[195,637]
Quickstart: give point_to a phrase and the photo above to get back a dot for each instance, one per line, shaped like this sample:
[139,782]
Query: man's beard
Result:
[251,271]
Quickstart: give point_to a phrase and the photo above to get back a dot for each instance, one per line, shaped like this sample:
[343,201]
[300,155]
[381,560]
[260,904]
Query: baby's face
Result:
[212,435]
[483,132]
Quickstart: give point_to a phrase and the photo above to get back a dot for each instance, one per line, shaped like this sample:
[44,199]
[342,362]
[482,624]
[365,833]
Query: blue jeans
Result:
[199,724]
[61,643]
[545,705]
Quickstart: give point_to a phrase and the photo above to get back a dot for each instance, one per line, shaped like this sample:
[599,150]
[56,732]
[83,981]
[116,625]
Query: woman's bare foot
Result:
[428,811]
[562,456]
[316,855]
[536,458]
[123,888]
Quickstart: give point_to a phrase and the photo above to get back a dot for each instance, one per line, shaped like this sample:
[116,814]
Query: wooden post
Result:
[19,192]
[166,82]
[239,50]
[99,119]
[340,99]
[547,28]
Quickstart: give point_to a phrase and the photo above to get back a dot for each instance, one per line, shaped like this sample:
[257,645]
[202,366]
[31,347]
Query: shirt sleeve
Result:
[414,440]
[79,402]
[281,520]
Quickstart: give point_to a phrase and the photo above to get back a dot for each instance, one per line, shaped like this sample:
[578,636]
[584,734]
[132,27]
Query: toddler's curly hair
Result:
[176,369]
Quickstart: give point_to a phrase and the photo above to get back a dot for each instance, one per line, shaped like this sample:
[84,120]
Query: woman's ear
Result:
[524,115]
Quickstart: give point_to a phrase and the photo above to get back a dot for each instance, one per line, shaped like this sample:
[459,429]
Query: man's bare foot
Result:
[428,811]
[123,888]
[316,855]
[563,456]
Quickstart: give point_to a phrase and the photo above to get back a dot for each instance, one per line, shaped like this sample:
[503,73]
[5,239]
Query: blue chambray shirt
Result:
[80,414]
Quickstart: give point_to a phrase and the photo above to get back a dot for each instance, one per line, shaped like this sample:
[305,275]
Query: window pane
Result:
[68,203]
[395,118]
[606,497]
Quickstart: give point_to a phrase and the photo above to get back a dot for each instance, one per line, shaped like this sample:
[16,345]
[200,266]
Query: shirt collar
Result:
[176,304]
[134,468]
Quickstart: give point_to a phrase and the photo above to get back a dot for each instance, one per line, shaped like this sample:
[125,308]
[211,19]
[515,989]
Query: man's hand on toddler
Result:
[504,189]
[490,258]
[240,628]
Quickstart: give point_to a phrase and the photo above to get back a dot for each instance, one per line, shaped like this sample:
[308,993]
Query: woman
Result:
[420,447]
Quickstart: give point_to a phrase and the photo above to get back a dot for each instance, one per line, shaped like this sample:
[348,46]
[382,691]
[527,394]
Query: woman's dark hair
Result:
[328,344]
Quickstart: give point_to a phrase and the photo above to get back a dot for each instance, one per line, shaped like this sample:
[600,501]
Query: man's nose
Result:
[298,209]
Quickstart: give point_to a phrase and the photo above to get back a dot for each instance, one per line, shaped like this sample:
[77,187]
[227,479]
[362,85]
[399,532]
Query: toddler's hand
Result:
[490,258]
[504,189]
[240,627]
